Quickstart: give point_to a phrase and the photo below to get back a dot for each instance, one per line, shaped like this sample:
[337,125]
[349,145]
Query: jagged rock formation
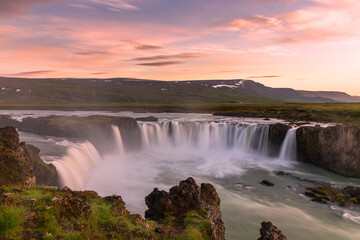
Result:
[269,232]
[277,134]
[335,148]
[182,199]
[21,165]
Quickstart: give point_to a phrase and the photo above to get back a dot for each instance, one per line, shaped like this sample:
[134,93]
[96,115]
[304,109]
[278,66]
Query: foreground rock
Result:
[343,196]
[269,232]
[20,164]
[187,200]
[335,148]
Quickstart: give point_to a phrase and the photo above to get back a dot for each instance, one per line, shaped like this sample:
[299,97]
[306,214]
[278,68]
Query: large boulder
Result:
[269,232]
[182,199]
[335,148]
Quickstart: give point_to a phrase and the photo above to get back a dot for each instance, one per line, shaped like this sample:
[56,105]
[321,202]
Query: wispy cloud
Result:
[255,21]
[89,53]
[167,57]
[30,74]
[160,64]
[268,76]
[13,7]
[115,5]
[141,46]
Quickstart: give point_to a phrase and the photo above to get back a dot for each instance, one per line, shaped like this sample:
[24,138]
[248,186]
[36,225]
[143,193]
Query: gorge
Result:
[129,158]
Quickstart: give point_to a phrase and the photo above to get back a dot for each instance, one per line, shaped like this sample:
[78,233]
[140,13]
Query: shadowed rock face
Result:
[269,232]
[186,197]
[335,148]
[96,129]
[277,134]
[21,164]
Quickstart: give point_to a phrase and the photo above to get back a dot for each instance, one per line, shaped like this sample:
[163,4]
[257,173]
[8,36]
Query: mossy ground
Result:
[48,213]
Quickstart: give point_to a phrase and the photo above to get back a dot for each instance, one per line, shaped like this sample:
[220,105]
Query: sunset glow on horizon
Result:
[300,44]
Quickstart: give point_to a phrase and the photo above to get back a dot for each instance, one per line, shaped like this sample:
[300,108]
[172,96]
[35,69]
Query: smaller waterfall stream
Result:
[288,148]
[74,168]
[118,140]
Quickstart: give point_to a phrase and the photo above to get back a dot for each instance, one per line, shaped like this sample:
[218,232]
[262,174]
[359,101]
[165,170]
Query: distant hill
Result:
[139,91]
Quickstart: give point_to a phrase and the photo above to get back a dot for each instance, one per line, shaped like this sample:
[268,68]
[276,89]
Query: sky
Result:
[301,44]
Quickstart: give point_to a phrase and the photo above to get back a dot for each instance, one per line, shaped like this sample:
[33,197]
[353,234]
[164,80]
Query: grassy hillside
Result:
[133,91]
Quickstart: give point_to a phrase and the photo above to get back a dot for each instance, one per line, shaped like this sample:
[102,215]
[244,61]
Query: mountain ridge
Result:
[144,91]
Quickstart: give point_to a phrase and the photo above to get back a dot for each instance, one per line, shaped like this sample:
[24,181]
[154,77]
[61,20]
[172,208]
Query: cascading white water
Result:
[206,135]
[118,140]
[74,168]
[288,147]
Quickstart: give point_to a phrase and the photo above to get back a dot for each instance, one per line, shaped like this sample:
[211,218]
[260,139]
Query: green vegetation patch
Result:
[11,221]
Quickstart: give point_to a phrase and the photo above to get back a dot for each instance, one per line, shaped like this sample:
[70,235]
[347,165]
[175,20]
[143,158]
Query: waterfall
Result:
[118,140]
[288,148]
[74,168]
[206,135]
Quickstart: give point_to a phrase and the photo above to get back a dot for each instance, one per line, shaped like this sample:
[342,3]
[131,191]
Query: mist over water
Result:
[232,155]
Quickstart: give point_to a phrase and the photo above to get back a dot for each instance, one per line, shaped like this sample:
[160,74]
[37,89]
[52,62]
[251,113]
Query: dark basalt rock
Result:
[277,134]
[15,168]
[269,232]
[267,183]
[45,174]
[95,129]
[186,197]
[147,119]
[335,148]
[7,121]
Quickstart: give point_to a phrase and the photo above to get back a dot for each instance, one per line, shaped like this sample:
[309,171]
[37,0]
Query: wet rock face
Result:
[277,134]
[186,197]
[269,232]
[335,148]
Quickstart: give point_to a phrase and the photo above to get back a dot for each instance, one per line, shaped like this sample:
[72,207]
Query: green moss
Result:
[38,194]
[102,213]
[11,220]
[197,227]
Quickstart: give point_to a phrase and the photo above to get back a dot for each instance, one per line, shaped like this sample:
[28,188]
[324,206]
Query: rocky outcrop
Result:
[7,121]
[15,169]
[335,148]
[343,196]
[96,129]
[20,164]
[45,174]
[277,134]
[269,232]
[182,199]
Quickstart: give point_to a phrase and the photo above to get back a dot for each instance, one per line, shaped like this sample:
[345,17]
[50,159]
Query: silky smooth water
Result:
[229,153]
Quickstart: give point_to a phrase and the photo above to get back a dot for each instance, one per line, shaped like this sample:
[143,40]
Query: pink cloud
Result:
[11,7]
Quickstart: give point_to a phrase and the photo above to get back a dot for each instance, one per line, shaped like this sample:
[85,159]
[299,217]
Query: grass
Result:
[197,227]
[11,221]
